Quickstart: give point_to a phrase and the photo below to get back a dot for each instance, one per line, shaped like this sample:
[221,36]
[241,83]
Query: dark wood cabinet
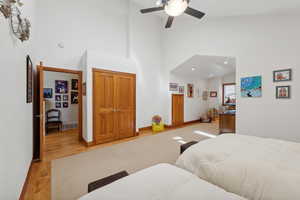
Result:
[227,123]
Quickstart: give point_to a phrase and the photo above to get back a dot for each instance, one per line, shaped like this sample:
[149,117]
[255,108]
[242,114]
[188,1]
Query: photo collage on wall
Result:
[252,86]
[61,94]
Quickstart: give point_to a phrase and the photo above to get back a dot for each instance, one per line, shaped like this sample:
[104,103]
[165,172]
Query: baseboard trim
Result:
[147,128]
[192,122]
[171,126]
[88,144]
[26,183]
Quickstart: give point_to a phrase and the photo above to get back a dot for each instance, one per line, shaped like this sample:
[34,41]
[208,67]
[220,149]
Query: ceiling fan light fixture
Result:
[175,8]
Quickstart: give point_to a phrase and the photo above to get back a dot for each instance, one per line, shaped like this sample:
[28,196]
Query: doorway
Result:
[177,109]
[60,110]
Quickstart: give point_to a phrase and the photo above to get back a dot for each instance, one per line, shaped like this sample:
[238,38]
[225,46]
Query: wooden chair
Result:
[53,120]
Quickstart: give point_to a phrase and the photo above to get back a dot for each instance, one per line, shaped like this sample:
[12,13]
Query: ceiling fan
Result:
[174,8]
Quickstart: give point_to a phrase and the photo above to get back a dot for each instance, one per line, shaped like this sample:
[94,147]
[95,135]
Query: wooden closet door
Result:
[104,107]
[125,105]
[177,109]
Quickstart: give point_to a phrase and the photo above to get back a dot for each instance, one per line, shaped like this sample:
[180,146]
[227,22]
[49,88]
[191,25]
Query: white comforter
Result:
[252,167]
[161,182]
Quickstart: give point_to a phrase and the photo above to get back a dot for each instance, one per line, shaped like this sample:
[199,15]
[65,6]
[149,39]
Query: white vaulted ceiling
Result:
[222,8]
[205,67]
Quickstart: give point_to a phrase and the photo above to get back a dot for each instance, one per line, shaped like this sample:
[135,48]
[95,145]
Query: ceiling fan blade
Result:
[194,13]
[149,10]
[170,22]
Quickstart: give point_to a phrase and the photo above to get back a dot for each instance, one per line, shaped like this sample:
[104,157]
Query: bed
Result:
[161,182]
[252,167]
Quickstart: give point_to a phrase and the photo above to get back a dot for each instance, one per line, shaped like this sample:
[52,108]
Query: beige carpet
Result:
[71,175]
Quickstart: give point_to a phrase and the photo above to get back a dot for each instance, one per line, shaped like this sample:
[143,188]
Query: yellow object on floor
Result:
[158,127]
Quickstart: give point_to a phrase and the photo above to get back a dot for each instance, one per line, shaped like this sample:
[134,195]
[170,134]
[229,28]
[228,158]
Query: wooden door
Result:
[125,105]
[41,111]
[114,105]
[177,109]
[104,107]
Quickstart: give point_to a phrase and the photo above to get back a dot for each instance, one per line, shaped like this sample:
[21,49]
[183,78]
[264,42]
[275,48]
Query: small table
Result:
[186,146]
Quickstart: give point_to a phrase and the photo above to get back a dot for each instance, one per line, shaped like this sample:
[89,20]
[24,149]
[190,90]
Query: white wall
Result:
[16,115]
[260,45]
[143,58]
[69,116]
[194,107]
[80,25]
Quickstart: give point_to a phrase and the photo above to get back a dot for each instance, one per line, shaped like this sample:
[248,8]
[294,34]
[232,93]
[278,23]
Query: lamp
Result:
[176,7]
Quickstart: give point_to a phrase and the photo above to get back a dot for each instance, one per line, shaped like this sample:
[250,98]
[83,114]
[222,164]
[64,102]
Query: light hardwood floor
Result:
[60,145]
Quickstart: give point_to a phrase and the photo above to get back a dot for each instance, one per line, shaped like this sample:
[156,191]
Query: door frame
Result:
[42,69]
[112,72]
[173,95]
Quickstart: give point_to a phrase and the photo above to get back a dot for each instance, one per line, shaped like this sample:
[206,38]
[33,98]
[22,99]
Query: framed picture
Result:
[283,92]
[48,93]
[61,87]
[65,97]
[251,86]
[74,97]
[29,80]
[74,84]
[173,87]
[282,75]
[57,97]
[57,105]
[205,95]
[65,104]
[213,94]
[181,89]
[84,89]
[190,90]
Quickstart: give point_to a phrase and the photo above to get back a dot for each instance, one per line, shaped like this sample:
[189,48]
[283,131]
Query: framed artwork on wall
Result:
[74,84]
[74,97]
[57,105]
[282,75]
[173,87]
[251,86]
[190,90]
[205,95]
[61,87]
[181,89]
[283,92]
[48,93]
[29,80]
[213,94]
[84,89]
[65,97]
[65,104]
[57,97]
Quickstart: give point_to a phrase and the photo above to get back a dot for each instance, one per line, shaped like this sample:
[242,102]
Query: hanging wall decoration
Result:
[74,84]
[181,89]
[282,75]
[283,92]
[205,95]
[251,86]
[173,87]
[74,97]
[29,82]
[190,90]
[20,26]
[5,8]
